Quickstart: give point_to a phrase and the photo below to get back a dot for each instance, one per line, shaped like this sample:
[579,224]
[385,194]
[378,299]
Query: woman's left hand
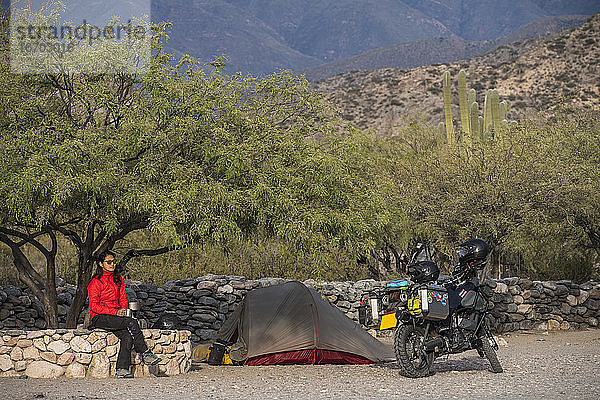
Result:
[121,312]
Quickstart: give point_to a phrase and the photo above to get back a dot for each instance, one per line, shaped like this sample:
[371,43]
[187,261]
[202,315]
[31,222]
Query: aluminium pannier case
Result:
[434,302]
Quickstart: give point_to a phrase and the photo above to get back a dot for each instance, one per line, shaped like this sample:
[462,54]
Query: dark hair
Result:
[99,271]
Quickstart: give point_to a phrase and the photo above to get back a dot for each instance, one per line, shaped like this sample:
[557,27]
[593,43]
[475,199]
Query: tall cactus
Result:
[503,111]
[464,106]
[487,111]
[495,110]
[474,120]
[447,110]
[473,126]
[472,97]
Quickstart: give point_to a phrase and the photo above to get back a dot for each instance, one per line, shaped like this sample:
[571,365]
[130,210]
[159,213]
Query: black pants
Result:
[129,333]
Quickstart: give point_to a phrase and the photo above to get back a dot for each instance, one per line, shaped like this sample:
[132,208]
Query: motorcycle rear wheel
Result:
[410,354]
[490,354]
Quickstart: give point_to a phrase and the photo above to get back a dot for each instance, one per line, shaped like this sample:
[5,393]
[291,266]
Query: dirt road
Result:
[562,365]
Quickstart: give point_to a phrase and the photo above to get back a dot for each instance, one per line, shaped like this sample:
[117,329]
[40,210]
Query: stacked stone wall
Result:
[78,353]
[522,304]
[203,304]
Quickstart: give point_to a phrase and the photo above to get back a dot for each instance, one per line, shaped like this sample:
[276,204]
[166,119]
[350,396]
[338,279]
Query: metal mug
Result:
[128,312]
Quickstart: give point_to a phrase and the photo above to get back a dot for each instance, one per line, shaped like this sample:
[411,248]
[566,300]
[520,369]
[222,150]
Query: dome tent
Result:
[291,324]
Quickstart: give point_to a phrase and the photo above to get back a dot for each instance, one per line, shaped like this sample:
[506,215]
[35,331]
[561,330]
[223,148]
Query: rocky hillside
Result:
[442,50]
[537,76]
[260,36]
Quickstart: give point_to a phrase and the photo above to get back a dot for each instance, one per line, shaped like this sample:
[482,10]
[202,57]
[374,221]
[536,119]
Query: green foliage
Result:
[533,195]
[253,260]
[201,157]
[186,157]
[94,53]
[553,249]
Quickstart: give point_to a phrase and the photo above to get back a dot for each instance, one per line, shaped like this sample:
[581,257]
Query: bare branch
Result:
[54,248]
[140,253]
[127,229]
[28,238]
[32,235]
[23,265]
[71,235]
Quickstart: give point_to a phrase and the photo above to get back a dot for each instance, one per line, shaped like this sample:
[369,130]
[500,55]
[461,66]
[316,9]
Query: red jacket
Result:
[105,296]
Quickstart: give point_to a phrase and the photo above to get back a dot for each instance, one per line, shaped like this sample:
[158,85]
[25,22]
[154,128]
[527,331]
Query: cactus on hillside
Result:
[473,126]
[474,121]
[487,111]
[472,97]
[503,111]
[465,109]
[495,110]
[447,109]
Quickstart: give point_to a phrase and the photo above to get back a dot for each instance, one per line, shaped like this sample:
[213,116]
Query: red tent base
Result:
[308,356]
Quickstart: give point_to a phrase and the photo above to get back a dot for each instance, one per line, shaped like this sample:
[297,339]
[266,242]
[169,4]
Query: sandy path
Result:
[553,366]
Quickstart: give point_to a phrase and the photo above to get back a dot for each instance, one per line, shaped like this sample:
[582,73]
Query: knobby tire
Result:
[406,343]
[490,354]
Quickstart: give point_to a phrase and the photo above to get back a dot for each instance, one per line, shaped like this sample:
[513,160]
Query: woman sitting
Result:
[108,306]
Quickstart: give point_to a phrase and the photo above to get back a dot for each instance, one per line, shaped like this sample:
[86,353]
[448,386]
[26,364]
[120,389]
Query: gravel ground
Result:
[550,366]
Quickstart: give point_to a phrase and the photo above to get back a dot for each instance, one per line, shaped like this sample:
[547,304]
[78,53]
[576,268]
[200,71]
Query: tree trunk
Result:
[397,262]
[50,306]
[387,261]
[77,305]
[51,299]
[84,275]
[495,260]
[373,266]
[594,236]
[44,290]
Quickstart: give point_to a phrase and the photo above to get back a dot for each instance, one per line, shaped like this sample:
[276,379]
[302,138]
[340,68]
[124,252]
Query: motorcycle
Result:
[435,316]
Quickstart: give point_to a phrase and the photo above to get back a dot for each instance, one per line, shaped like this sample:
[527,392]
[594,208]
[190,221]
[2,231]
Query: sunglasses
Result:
[110,262]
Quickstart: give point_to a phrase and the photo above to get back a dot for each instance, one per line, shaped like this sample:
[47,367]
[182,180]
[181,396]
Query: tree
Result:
[481,189]
[562,235]
[574,163]
[180,154]
[400,236]
[532,195]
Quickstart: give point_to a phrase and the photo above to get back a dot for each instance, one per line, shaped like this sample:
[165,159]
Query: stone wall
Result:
[78,353]
[525,304]
[203,303]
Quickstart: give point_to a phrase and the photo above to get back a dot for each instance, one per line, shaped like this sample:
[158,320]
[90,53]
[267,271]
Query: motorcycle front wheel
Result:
[412,359]
[490,354]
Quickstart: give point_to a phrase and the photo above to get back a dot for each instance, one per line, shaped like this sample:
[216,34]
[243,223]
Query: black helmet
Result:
[471,255]
[423,271]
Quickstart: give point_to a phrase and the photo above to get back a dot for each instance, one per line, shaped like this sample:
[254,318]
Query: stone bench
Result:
[79,353]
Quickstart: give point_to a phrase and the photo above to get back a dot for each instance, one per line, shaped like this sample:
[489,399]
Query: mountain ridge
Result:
[561,71]
[261,36]
[437,50]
